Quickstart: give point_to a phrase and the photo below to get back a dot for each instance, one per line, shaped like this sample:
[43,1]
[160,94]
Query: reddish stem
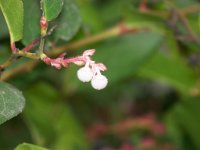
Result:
[13,48]
[31,45]
[72,60]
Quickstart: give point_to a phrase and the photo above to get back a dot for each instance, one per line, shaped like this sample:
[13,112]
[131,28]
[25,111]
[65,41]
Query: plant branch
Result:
[113,32]
[190,9]
[24,52]
[31,45]
[187,26]
[28,55]
[16,56]
[8,62]
[164,14]
[182,17]
[92,39]
[41,47]
[28,66]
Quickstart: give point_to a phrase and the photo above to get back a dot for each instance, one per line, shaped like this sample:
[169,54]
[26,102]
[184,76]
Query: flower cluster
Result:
[91,71]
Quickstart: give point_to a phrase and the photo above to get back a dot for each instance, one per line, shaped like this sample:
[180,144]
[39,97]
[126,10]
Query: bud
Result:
[43,25]
[85,74]
[99,82]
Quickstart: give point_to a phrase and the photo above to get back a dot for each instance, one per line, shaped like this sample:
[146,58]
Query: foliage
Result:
[13,13]
[149,50]
[12,102]
[26,146]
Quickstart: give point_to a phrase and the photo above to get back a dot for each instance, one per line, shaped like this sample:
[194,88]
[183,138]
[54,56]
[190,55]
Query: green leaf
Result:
[173,128]
[171,71]
[52,8]
[26,146]
[3,27]
[169,67]
[187,118]
[69,21]
[123,56]
[11,102]
[71,135]
[113,10]
[13,13]
[60,129]
[92,21]
[31,21]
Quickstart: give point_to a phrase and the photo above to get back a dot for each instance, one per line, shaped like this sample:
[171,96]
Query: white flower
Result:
[99,82]
[91,71]
[85,74]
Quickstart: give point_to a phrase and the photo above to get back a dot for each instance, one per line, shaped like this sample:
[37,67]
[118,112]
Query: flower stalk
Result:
[90,72]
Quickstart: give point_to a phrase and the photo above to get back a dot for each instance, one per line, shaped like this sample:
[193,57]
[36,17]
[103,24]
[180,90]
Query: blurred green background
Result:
[152,100]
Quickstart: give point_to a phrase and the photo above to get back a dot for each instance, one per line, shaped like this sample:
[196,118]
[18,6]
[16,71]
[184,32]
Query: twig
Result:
[190,9]
[182,17]
[92,39]
[164,14]
[113,32]
[8,62]
[28,55]
[31,45]
[185,22]
[28,66]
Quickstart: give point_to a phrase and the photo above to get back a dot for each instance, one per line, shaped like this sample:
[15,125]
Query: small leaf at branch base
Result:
[11,102]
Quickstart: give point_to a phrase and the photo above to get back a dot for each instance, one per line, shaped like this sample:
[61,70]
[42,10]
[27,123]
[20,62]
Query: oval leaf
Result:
[13,13]
[11,102]
[128,54]
[69,21]
[52,8]
[162,68]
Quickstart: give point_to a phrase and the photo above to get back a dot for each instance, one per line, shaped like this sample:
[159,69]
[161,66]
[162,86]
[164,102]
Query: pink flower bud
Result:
[99,82]
[85,74]
[101,66]
[89,52]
